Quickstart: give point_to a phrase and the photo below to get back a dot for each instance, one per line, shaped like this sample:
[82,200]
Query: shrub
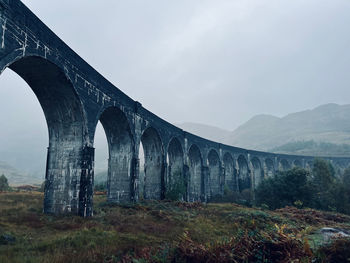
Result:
[297,187]
[285,189]
[177,188]
[100,187]
[4,185]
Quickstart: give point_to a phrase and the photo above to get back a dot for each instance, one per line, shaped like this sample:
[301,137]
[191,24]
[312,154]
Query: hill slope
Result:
[206,131]
[326,123]
[16,177]
[324,130]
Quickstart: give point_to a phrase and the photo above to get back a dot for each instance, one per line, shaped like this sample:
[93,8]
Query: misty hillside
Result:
[327,127]
[327,123]
[313,148]
[16,177]
[206,131]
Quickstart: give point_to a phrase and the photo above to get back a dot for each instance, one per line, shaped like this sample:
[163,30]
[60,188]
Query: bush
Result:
[177,188]
[4,185]
[297,187]
[285,189]
[229,196]
[100,187]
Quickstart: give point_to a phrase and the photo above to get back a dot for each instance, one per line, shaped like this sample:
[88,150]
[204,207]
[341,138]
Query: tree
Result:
[4,186]
[323,184]
[346,178]
[285,188]
[344,197]
[323,174]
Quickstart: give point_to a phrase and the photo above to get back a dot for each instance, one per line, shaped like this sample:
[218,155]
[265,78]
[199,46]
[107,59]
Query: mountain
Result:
[313,148]
[327,123]
[324,130]
[16,177]
[206,131]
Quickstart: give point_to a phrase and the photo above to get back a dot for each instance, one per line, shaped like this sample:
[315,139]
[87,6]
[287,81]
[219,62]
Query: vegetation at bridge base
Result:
[176,189]
[4,185]
[164,231]
[320,189]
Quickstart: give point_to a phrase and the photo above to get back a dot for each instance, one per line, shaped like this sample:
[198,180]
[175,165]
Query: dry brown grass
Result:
[156,232]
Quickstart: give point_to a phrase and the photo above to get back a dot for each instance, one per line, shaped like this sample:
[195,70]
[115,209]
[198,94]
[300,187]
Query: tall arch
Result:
[215,178]
[297,163]
[269,167]
[153,181]
[257,171]
[196,180]
[230,180]
[120,152]
[68,179]
[244,181]
[175,166]
[309,165]
[284,165]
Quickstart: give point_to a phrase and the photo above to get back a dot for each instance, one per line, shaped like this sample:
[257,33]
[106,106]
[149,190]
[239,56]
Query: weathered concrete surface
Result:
[196,177]
[74,97]
[175,176]
[215,177]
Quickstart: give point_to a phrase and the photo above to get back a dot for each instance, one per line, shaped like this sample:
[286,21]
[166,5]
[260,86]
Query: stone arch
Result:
[175,166]
[297,163]
[284,165]
[196,180]
[120,151]
[215,178]
[269,167]
[257,171]
[244,180]
[339,167]
[309,165]
[68,185]
[229,172]
[153,181]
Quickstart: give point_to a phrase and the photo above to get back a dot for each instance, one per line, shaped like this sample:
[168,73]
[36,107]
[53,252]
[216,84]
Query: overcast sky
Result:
[213,62]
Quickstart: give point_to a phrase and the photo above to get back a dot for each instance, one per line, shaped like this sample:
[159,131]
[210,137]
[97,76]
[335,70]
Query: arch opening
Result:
[196,180]
[215,178]
[24,134]
[284,165]
[152,176]
[244,180]
[309,165]
[229,173]
[297,163]
[176,182]
[257,171]
[120,154]
[269,168]
[65,184]
[101,159]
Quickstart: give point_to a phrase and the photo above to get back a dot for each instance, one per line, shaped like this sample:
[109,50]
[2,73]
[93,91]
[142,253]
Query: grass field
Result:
[166,232]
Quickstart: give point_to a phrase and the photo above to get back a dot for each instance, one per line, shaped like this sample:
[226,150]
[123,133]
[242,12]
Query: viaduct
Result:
[74,97]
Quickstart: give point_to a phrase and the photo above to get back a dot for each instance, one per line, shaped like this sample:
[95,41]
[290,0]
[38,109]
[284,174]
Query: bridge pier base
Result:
[69,180]
[86,192]
[205,185]
[135,179]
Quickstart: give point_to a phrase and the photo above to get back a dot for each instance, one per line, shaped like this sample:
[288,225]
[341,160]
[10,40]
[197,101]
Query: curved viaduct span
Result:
[74,97]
